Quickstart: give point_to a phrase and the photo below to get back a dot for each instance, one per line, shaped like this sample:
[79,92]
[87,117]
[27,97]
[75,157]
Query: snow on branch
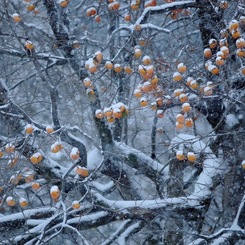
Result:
[129,231]
[125,224]
[138,160]
[12,52]
[225,234]
[12,221]
[165,8]
[212,166]
[171,203]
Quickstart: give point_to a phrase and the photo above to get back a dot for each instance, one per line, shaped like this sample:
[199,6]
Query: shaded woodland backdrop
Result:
[122,122]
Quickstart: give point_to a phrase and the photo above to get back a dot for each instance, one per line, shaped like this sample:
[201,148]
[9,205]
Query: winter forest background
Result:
[122,122]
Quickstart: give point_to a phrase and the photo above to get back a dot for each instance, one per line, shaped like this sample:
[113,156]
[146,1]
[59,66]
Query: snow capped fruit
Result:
[224,33]
[225,51]
[56,147]
[30,7]
[212,43]
[29,45]
[63,3]
[76,205]
[10,201]
[180,155]
[194,84]
[107,112]
[177,77]
[75,44]
[135,4]
[36,11]
[35,186]
[90,65]
[137,53]
[114,6]
[29,177]
[29,128]
[186,107]
[179,126]
[207,91]
[23,202]
[180,118]
[240,43]
[243,70]
[191,156]
[223,42]
[14,179]
[128,70]
[117,68]
[82,171]
[9,148]
[127,17]
[153,106]
[1,153]
[183,98]
[181,68]
[16,17]
[146,87]
[55,192]
[160,114]
[36,158]
[108,65]
[137,93]
[213,69]
[143,102]
[159,101]
[99,114]
[74,154]
[91,12]
[223,4]
[137,27]
[235,34]
[234,24]
[146,60]
[178,92]
[97,18]
[154,80]
[110,119]
[207,53]
[12,162]
[117,113]
[49,129]
[150,3]
[219,61]
[98,56]
[240,52]
[243,164]
[242,20]
[188,122]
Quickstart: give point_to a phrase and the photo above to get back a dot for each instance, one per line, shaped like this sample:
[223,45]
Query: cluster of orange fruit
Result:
[234,29]
[54,194]
[92,13]
[149,85]
[11,202]
[30,7]
[9,149]
[116,111]
[191,156]
[92,63]
[64,3]
[27,176]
